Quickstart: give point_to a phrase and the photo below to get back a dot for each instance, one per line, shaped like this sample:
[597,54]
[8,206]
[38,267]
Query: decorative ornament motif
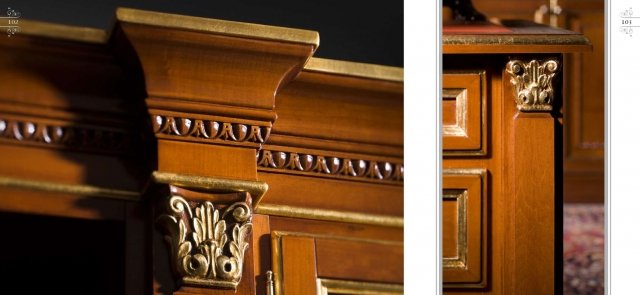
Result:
[91,138]
[207,244]
[210,129]
[533,84]
[292,162]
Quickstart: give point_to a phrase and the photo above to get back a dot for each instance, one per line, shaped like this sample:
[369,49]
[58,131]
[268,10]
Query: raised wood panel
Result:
[360,260]
[464,228]
[464,113]
[357,264]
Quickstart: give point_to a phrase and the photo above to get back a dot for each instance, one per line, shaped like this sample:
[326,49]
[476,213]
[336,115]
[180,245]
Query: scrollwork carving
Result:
[207,244]
[533,82]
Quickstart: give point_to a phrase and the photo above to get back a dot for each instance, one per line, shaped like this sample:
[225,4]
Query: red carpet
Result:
[583,249]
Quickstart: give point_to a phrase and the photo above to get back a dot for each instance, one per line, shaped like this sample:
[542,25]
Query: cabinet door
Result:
[306,264]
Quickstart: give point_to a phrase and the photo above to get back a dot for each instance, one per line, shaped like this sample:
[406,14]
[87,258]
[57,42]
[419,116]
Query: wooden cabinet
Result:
[229,159]
[584,88]
[502,156]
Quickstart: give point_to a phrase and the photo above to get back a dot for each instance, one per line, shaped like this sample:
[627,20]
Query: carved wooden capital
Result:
[207,243]
[533,84]
[207,224]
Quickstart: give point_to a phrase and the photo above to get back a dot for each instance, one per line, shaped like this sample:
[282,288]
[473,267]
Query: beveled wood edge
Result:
[223,27]
[329,215]
[354,69]
[256,189]
[63,32]
[76,189]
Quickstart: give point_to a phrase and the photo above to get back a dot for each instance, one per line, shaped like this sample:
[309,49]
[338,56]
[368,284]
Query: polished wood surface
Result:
[584,103]
[464,227]
[165,119]
[519,251]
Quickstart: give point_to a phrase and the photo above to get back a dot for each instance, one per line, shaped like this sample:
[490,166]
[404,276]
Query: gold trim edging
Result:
[347,68]
[499,40]
[459,262]
[207,25]
[76,189]
[64,32]
[331,286]
[329,215]
[483,114]
[257,189]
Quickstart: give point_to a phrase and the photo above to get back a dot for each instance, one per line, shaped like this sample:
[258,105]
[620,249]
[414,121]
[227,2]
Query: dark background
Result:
[361,31]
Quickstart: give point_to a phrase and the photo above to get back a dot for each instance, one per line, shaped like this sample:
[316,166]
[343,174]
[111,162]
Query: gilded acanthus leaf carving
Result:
[207,246]
[533,82]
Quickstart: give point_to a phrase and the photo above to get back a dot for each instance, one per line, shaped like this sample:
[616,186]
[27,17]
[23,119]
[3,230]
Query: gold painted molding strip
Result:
[257,189]
[347,68]
[64,32]
[504,39]
[207,25]
[331,286]
[77,189]
[329,215]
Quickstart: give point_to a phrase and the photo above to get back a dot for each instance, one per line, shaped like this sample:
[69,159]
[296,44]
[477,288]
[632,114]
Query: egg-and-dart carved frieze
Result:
[83,138]
[210,130]
[330,166]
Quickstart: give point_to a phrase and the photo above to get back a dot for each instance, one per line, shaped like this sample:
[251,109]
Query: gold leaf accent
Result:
[533,84]
[212,256]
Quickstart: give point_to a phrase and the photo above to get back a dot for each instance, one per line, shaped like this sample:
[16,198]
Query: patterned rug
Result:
[583,249]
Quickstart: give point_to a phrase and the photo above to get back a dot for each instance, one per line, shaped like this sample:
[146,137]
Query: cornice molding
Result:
[66,135]
[331,166]
[216,26]
[211,130]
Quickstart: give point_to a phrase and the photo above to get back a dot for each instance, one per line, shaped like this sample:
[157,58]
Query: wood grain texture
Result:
[206,160]
[60,204]
[299,265]
[531,216]
[361,261]
[494,163]
[465,197]
[351,109]
[515,224]
[464,112]
[214,68]
[336,229]
[152,97]
[584,106]
[534,210]
[332,194]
